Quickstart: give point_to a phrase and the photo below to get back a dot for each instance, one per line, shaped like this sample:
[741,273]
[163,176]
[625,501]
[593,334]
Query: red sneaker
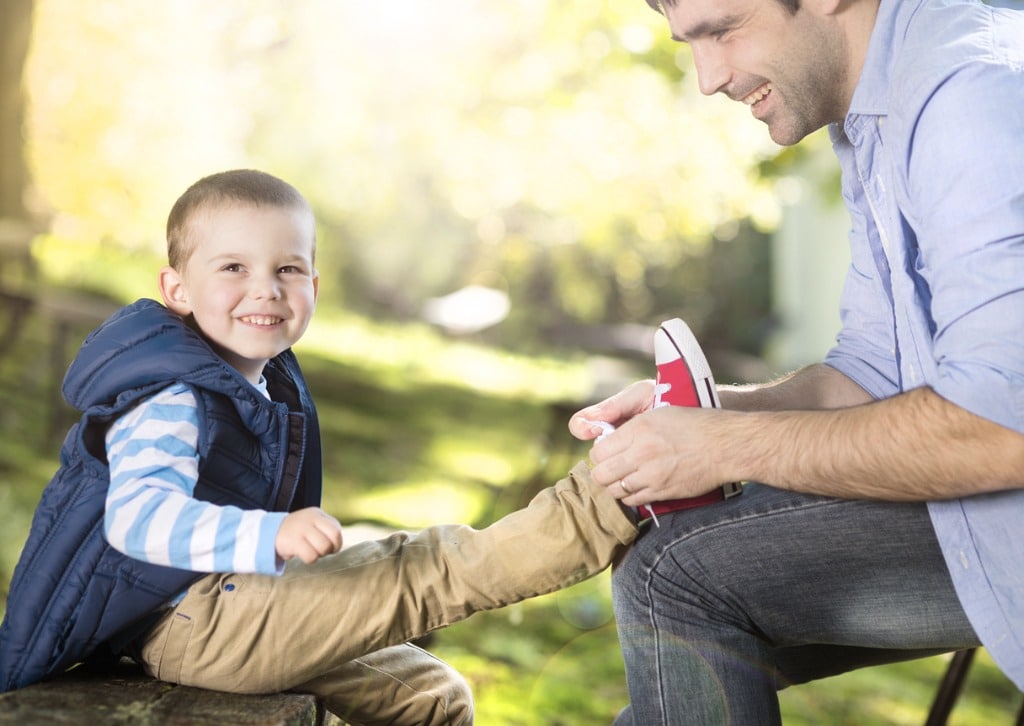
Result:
[684,379]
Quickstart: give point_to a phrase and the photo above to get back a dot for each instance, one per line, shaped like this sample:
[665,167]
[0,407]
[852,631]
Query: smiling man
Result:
[885,521]
[791,65]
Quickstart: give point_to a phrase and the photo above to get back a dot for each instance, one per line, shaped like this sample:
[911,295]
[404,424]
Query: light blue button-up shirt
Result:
[932,153]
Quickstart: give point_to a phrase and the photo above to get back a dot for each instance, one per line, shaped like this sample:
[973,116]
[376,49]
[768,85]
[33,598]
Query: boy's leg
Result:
[257,633]
[402,684]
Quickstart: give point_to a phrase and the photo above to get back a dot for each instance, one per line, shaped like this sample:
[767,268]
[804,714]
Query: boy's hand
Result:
[308,534]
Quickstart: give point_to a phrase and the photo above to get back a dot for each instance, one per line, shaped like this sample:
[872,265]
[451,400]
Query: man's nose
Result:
[712,73]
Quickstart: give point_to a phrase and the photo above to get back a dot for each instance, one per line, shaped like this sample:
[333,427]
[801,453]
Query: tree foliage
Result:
[558,151]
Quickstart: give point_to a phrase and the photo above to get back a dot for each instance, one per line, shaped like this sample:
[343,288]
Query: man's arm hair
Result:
[815,387]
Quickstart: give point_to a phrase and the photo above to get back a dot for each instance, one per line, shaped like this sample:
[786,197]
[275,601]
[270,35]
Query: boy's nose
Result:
[265,287]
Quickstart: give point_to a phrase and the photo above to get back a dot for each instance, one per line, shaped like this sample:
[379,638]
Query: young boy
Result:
[199,452]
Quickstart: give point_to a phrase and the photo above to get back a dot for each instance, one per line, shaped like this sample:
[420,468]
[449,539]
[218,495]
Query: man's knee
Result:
[681,566]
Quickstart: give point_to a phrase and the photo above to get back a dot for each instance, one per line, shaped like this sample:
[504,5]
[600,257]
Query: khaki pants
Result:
[337,628]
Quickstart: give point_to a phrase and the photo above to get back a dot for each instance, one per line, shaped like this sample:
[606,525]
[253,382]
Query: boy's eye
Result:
[233,267]
[290,269]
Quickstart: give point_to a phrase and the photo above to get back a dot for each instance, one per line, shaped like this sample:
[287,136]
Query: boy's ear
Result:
[173,291]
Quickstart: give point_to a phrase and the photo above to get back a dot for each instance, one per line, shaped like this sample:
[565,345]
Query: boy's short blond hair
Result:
[239,186]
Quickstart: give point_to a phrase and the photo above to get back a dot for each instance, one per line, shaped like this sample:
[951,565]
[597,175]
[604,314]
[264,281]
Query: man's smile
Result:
[759,94]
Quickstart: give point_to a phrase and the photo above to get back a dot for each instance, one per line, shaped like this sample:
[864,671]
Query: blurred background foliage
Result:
[553,154]
[557,152]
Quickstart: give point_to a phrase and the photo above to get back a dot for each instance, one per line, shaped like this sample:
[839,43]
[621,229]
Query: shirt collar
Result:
[871,96]
[261,386]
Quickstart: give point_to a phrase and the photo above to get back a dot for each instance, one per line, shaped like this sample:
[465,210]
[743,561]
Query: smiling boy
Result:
[184,526]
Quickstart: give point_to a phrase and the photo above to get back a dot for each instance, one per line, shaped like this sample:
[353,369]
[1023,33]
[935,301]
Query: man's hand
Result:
[616,410]
[308,534]
[646,449]
[664,454]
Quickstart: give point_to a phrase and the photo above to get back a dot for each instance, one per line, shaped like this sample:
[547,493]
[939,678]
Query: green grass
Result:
[418,430]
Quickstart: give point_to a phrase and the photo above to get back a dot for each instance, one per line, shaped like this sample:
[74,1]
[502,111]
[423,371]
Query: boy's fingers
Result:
[317,543]
[331,530]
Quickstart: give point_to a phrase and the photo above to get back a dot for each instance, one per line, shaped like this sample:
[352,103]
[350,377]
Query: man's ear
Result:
[173,291]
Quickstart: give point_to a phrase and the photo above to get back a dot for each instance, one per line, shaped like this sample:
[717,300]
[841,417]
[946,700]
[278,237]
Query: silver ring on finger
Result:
[625,488]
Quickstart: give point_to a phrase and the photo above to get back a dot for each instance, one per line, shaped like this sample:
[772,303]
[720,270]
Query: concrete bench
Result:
[127,696]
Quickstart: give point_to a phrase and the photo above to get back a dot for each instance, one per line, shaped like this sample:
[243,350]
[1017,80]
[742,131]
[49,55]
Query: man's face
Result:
[789,68]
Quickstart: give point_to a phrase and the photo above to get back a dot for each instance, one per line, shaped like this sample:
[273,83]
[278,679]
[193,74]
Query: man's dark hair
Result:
[791,5]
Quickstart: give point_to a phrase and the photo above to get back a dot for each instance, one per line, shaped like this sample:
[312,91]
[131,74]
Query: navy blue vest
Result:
[73,597]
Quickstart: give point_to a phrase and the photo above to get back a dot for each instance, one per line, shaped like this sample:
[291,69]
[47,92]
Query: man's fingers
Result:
[616,410]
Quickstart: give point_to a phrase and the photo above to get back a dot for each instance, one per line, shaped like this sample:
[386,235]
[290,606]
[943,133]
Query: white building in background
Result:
[810,256]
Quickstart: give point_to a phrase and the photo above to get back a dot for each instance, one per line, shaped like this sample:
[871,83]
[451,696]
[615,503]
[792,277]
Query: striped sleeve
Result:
[151,514]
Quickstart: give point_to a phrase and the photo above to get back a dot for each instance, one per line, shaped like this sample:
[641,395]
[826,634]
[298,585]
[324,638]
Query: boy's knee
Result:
[440,696]
[457,697]
[401,684]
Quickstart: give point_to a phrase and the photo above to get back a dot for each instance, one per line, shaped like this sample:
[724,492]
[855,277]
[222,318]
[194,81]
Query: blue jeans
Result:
[722,606]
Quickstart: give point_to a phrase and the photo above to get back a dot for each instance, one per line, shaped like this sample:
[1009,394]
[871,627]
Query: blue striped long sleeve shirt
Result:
[151,514]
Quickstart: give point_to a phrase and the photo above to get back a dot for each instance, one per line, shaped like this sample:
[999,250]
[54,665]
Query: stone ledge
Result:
[127,696]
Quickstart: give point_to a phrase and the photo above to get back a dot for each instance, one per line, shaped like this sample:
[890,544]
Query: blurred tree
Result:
[15,30]
[555,151]
[547,149]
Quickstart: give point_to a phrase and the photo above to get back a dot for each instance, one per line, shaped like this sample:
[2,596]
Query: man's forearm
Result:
[814,387]
[914,446]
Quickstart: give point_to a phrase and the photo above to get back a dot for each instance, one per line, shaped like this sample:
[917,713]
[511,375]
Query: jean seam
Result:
[711,527]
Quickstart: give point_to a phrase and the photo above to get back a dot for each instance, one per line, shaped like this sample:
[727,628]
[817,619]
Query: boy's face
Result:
[249,283]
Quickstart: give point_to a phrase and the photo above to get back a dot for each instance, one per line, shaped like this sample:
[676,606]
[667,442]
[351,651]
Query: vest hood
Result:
[143,345]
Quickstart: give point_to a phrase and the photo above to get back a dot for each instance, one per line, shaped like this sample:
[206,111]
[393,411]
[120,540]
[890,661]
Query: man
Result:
[889,522]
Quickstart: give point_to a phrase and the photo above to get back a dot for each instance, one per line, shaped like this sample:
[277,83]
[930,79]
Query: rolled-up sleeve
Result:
[965,202]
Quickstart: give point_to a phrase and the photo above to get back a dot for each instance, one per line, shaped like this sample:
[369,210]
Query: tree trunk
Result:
[15,31]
